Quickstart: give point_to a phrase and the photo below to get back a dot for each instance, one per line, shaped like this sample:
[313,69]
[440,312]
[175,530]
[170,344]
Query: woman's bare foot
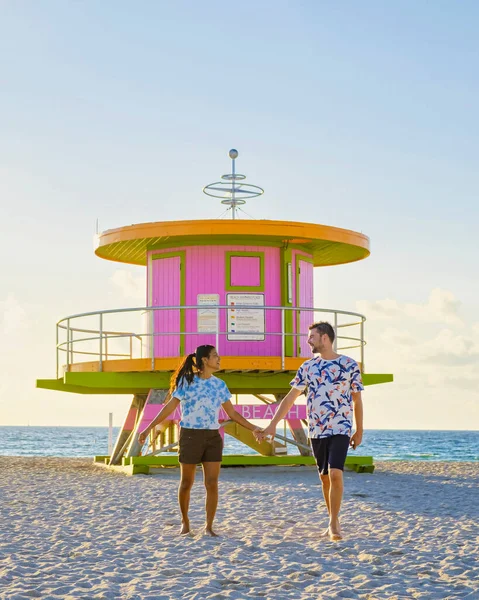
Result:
[209,531]
[185,528]
[325,533]
[335,532]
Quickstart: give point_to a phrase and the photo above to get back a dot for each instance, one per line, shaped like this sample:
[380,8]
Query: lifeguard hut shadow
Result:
[244,286]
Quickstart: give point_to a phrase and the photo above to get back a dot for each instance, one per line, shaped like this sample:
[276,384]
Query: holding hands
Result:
[262,435]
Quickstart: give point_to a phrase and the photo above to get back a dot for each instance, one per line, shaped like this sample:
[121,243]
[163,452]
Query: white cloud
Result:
[131,287]
[442,307]
[398,337]
[434,361]
[449,349]
[13,317]
[443,348]
[460,381]
[17,347]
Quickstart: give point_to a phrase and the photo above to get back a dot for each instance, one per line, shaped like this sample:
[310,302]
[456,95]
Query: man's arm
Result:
[283,409]
[166,411]
[235,416]
[357,437]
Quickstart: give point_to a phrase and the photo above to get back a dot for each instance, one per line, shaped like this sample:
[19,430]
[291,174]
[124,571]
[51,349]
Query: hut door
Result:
[167,292]
[304,299]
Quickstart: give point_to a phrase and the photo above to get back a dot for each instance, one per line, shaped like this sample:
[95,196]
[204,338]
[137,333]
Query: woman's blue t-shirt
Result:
[201,402]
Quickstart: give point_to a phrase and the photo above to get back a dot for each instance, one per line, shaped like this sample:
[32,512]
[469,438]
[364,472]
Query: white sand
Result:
[71,530]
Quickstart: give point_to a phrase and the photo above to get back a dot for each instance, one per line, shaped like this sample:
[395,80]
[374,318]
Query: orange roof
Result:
[328,245]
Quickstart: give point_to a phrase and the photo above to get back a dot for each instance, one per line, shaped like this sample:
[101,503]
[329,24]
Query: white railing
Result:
[97,341]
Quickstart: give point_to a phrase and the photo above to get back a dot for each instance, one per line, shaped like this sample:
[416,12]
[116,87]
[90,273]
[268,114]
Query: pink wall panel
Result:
[205,274]
[296,256]
[305,284]
[166,292]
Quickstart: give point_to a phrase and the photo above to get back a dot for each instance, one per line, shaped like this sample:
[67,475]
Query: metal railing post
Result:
[217,340]
[57,358]
[151,333]
[100,367]
[282,339]
[68,345]
[335,345]
[362,344]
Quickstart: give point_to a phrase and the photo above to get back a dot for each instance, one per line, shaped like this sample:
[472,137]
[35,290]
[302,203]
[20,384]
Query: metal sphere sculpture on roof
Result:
[231,192]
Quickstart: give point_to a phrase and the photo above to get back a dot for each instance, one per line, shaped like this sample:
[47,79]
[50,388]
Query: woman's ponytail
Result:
[190,366]
[185,372]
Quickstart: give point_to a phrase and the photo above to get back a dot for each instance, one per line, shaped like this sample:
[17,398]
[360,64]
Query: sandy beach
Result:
[72,530]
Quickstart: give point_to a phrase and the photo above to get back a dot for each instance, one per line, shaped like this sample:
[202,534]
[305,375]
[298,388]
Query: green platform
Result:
[136,465]
[142,383]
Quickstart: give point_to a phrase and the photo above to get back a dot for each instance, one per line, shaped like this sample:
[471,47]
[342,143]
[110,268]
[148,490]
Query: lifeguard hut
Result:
[243,285]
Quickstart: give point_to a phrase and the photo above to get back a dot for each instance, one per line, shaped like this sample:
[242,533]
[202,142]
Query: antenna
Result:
[233,193]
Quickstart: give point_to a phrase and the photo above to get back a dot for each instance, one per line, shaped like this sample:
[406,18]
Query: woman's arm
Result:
[165,412]
[235,416]
[283,409]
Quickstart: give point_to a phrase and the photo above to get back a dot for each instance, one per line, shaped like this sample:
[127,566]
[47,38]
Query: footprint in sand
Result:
[231,582]
[171,572]
[370,558]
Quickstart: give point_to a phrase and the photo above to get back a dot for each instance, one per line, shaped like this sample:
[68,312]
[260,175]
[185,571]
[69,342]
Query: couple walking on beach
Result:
[333,386]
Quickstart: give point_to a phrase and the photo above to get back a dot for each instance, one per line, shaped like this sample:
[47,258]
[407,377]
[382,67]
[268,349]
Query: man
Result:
[334,385]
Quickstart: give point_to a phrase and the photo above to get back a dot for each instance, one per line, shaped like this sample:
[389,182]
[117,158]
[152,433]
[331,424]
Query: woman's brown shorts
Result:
[200,445]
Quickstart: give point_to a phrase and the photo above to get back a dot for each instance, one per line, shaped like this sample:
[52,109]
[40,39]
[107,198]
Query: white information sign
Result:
[241,320]
[207,317]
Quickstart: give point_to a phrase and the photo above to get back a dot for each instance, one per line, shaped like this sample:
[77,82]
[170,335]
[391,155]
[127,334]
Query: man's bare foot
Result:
[185,529]
[209,531]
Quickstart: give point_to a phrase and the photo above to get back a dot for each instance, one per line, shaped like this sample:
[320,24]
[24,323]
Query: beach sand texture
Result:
[72,530]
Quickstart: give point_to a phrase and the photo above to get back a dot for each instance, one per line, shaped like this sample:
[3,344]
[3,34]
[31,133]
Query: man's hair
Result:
[323,327]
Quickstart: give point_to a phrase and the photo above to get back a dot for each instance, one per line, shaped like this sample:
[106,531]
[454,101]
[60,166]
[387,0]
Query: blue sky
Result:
[361,115]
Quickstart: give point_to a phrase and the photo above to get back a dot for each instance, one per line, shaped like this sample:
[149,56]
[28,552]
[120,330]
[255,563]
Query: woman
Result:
[201,396]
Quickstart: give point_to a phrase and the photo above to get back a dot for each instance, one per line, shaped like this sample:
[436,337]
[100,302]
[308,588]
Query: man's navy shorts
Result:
[330,452]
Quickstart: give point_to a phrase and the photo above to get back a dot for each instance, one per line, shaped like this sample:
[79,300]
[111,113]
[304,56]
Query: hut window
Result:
[244,271]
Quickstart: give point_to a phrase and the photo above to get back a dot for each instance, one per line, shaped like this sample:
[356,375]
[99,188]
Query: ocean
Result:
[380,443]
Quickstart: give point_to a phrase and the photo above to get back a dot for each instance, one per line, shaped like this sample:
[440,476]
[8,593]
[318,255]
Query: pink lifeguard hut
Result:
[243,285]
